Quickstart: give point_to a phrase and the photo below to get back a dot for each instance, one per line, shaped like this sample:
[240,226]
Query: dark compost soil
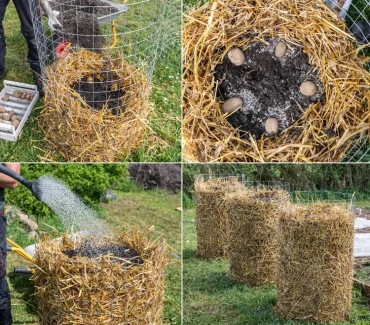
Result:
[90,250]
[268,86]
[79,19]
[101,91]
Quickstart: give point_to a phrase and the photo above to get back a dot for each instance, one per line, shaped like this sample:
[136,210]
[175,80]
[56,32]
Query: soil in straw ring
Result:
[90,249]
[315,268]
[101,91]
[269,87]
[325,130]
[253,216]
[80,133]
[211,220]
[101,290]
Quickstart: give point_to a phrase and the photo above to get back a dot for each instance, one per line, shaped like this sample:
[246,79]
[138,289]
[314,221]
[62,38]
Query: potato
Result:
[2,110]
[281,49]
[236,56]
[308,88]
[16,124]
[11,113]
[6,98]
[17,93]
[14,117]
[6,117]
[232,104]
[271,126]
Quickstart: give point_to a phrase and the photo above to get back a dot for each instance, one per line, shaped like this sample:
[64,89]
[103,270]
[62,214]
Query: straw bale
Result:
[253,216]
[212,29]
[83,134]
[211,220]
[100,290]
[315,268]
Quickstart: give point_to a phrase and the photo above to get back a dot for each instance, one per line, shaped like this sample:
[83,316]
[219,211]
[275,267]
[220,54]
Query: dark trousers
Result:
[5,305]
[24,15]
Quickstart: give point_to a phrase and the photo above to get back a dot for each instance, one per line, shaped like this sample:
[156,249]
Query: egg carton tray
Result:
[21,107]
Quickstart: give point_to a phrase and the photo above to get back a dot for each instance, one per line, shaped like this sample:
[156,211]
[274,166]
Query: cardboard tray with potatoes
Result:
[16,102]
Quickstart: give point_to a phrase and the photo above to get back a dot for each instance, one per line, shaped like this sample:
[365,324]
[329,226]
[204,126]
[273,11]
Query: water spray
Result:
[63,201]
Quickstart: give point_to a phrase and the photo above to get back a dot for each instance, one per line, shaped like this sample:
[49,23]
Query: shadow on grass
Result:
[24,287]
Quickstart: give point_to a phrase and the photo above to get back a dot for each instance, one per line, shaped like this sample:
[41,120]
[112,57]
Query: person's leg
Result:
[3,5]
[5,303]
[24,14]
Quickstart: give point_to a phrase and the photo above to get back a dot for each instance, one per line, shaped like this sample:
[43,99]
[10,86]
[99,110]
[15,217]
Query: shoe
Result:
[6,317]
[3,72]
[39,83]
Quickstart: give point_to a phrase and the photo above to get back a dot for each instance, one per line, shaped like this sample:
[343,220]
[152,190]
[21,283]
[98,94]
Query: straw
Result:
[102,290]
[83,134]
[315,269]
[211,220]
[253,216]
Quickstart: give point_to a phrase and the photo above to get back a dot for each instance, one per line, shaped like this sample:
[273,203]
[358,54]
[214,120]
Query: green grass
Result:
[210,297]
[139,208]
[363,204]
[162,142]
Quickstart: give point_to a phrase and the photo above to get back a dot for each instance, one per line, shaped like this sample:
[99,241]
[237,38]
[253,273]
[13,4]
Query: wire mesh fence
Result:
[132,30]
[171,35]
[106,29]
[356,14]
[270,185]
[98,60]
[305,197]
[223,178]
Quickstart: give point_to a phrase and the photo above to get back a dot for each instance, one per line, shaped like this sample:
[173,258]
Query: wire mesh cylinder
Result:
[132,30]
[253,215]
[315,268]
[97,59]
[335,197]
[211,220]
[114,31]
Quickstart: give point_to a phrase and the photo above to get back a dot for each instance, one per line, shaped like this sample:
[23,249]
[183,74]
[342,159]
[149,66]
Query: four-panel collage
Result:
[194,162]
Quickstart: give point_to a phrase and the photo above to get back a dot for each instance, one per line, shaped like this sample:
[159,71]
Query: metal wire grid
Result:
[135,37]
[356,14]
[207,177]
[284,186]
[171,35]
[325,196]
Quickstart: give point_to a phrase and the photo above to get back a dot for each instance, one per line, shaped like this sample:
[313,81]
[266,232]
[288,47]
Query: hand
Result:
[8,182]
[63,50]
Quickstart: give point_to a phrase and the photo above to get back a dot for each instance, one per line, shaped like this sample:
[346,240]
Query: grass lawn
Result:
[139,208]
[162,142]
[210,297]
